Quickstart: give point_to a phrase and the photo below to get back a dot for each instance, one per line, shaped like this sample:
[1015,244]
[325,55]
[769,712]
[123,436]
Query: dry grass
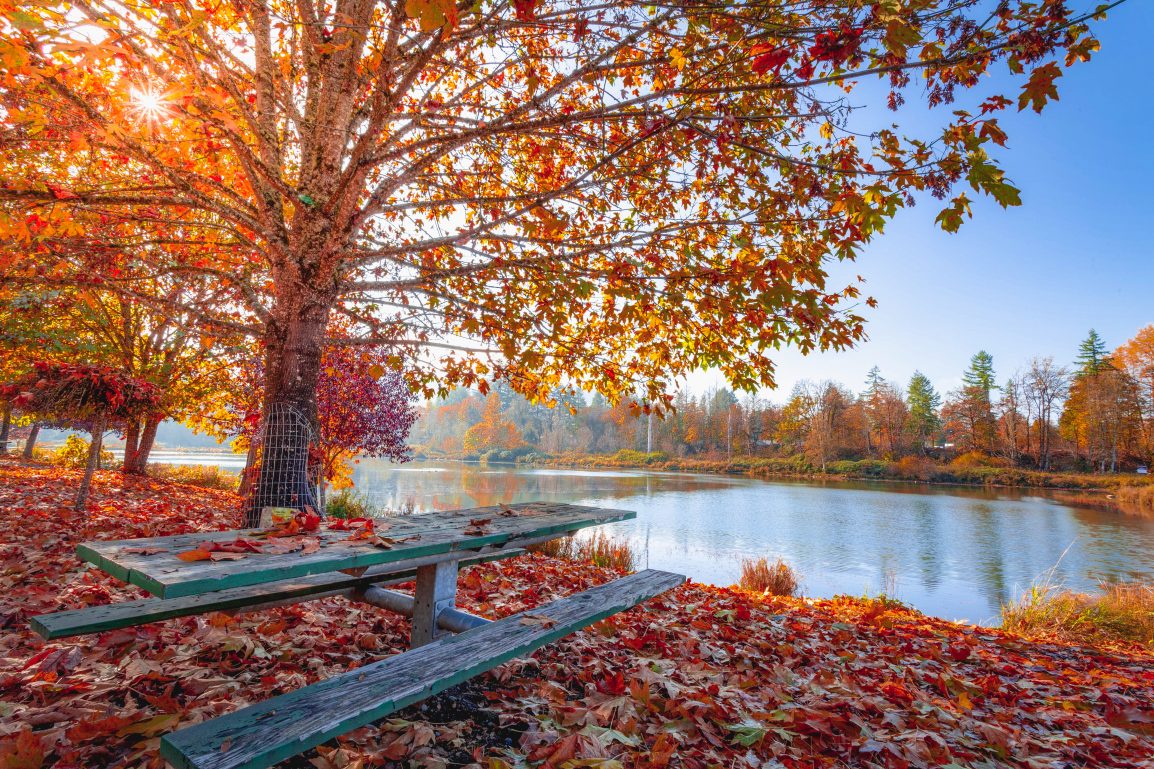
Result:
[205,476]
[1122,613]
[1136,499]
[761,576]
[599,549]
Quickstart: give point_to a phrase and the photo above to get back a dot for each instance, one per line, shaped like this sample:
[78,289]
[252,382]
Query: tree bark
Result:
[5,426]
[90,468]
[293,349]
[131,443]
[248,477]
[147,442]
[30,444]
[146,439]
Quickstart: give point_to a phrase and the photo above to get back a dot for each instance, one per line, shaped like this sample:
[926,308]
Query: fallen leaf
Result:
[194,555]
[538,620]
[142,550]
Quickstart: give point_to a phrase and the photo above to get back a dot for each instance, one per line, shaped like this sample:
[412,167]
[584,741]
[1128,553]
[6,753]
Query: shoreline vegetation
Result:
[1126,493]
[983,695]
[1130,494]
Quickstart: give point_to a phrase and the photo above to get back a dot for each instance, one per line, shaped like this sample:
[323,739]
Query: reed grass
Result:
[1138,500]
[1123,612]
[599,549]
[205,476]
[777,578]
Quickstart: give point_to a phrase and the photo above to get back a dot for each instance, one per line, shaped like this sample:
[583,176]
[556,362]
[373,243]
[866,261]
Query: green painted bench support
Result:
[98,619]
[278,728]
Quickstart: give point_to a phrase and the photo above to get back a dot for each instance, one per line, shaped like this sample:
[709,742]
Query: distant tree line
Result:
[1096,414]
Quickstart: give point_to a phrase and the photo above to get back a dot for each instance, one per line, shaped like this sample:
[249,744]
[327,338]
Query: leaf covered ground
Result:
[703,677]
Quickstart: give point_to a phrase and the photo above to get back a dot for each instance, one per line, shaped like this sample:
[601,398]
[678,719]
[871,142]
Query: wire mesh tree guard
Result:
[284,477]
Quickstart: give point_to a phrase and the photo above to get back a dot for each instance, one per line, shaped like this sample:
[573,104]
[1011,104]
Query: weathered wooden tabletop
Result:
[153,563]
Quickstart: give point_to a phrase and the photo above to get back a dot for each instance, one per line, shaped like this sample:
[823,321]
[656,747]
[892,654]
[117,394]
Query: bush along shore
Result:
[1126,493]
[703,676]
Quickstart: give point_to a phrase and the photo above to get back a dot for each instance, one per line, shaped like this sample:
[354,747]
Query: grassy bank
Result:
[1132,493]
[1121,613]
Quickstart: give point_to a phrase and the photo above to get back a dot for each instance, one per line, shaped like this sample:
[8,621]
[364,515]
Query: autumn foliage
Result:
[604,196]
[79,395]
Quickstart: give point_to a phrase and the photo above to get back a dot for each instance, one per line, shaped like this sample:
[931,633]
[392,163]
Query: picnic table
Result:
[248,570]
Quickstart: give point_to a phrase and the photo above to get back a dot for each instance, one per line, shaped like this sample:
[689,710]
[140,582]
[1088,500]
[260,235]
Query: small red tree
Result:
[363,409]
[83,397]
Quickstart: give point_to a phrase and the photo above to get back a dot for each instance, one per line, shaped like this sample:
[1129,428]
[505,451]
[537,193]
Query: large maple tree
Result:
[603,195]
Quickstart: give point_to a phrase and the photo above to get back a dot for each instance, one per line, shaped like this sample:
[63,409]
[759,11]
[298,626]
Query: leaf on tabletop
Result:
[224,555]
[142,550]
[386,543]
[195,555]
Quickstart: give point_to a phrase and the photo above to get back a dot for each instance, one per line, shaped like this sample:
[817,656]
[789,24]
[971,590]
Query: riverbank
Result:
[702,676]
[1138,498]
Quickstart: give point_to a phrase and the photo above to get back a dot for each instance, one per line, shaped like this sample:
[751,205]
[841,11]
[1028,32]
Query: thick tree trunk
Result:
[131,442]
[30,444]
[293,350]
[5,426]
[90,468]
[147,438]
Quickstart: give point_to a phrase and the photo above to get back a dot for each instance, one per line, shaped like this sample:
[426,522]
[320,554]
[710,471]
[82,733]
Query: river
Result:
[955,552]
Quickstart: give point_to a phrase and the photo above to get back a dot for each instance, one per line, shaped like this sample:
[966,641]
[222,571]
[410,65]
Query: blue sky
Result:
[1030,280]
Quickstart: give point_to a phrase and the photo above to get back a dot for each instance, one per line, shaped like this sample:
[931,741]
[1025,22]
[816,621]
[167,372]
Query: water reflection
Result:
[953,551]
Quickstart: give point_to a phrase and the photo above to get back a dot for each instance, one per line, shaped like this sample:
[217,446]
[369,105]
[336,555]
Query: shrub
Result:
[349,504]
[914,467]
[977,459]
[631,457]
[599,549]
[205,476]
[1124,612]
[74,453]
[867,468]
[761,576]
[505,455]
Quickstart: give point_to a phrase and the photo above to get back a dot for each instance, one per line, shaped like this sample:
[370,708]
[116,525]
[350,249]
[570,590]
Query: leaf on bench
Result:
[537,620]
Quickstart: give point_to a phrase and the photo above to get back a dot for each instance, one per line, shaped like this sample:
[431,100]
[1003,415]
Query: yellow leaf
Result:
[150,727]
[432,14]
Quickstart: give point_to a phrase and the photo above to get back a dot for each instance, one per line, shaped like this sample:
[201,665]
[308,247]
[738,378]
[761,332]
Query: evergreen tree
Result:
[1092,354]
[979,377]
[923,401]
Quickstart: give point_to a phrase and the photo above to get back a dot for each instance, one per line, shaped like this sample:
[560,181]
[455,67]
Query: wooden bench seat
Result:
[98,619]
[271,731]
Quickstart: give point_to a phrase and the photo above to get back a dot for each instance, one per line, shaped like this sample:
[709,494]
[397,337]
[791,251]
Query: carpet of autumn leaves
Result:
[701,677]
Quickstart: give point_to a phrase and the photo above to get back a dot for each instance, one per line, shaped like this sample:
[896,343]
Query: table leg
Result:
[436,591]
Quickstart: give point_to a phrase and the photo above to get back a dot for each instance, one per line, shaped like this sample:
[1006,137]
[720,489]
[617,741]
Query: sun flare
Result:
[149,102]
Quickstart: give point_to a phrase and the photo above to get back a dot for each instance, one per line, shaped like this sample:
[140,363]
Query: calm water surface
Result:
[956,552]
[951,551]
